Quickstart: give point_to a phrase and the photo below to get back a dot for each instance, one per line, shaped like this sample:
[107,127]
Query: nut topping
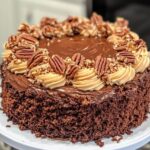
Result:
[28,39]
[71,71]
[126,56]
[57,64]
[96,19]
[78,59]
[101,65]
[49,31]
[24,28]
[24,53]
[36,59]
[12,41]
[48,21]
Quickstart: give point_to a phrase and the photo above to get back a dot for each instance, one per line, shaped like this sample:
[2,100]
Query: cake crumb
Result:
[117,138]
[99,143]
[8,126]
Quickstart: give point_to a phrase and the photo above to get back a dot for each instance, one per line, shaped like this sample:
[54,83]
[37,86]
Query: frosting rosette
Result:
[17,66]
[51,80]
[6,54]
[122,75]
[86,79]
[142,60]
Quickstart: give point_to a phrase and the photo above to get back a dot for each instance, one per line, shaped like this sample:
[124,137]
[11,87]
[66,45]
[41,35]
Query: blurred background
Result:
[13,12]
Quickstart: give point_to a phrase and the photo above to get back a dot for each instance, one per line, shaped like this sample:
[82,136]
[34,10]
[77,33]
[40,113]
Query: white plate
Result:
[24,140]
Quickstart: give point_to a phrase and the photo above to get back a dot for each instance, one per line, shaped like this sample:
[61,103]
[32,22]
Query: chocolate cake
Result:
[79,80]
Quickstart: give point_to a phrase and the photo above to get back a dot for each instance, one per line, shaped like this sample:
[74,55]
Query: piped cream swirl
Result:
[142,63]
[87,80]
[122,75]
[142,60]
[51,80]
[18,66]
[6,54]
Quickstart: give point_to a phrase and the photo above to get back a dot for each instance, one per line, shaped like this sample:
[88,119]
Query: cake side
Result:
[70,114]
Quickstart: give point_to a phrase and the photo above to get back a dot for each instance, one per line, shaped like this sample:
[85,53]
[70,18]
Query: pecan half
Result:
[24,52]
[36,58]
[71,71]
[48,31]
[101,65]
[57,64]
[78,59]
[48,21]
[12,41]
[74,23]
[126,56]
[140,43]
[72,19]
[23,46]
[120,48]
[24,28]
[96,19]
[27,38]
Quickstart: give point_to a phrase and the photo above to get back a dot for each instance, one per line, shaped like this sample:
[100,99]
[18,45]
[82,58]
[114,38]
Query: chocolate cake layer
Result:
[70,114]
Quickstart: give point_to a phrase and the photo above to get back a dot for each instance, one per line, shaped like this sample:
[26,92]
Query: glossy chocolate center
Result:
[90,47]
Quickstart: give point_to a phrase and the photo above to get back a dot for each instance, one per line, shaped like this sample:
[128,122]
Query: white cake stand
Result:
[24,140]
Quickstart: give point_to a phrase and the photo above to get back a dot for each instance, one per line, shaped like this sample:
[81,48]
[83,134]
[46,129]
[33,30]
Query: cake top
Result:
[89,47]
[87,54]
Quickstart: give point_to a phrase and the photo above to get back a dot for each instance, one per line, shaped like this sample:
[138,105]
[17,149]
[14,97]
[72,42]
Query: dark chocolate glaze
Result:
[90,47]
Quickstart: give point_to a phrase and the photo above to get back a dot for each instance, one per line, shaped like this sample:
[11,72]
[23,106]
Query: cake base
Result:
[69,114]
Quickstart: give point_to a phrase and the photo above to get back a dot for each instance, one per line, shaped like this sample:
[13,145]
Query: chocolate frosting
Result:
[90,47]
[19,82]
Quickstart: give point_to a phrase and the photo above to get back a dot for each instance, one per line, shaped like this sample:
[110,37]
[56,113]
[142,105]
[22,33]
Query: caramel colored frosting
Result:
[6,54]
[89,47]
[18,66]
[142,63]
[87,80]
[85,53]
[122,75]
[51,80]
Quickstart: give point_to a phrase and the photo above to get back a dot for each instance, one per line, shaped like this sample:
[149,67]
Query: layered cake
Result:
[79,80]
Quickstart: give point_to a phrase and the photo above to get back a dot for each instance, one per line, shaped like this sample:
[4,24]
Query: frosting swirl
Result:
[51,80]
[142,60]
[142,63]
[17,66]
[134,35]
[122,75]
[6,54]
[86,79]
